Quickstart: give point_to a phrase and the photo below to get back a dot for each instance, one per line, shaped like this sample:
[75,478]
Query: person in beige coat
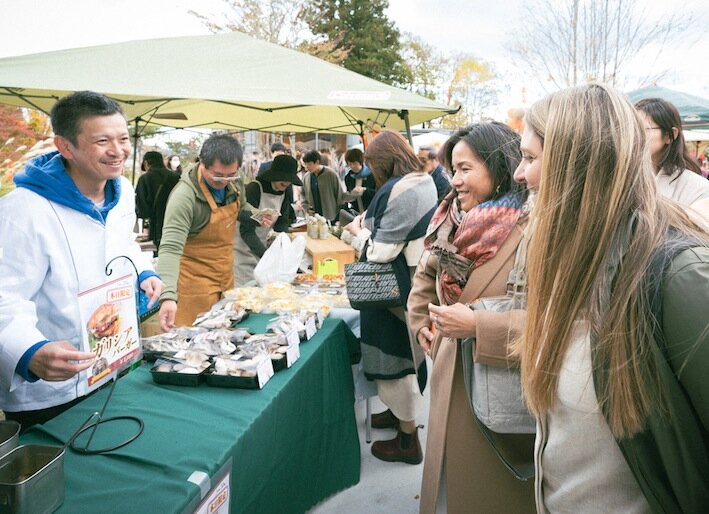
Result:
[471,246]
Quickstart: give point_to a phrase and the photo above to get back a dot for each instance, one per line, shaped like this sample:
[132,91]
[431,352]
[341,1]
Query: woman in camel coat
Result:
[462,473]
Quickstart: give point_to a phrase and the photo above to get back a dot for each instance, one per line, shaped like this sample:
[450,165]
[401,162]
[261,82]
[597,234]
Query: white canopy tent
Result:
[227,81]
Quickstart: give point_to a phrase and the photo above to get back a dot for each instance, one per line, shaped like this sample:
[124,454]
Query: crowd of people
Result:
[600,196]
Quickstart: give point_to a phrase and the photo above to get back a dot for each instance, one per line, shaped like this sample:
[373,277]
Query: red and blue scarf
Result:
[465,240]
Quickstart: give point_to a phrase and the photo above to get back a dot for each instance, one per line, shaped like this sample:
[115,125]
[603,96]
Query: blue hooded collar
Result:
[46,175]
[365,172]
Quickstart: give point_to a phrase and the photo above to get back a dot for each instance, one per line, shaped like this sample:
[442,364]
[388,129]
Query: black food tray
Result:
[279,364]
[178,379]
[216,380]
[152,356]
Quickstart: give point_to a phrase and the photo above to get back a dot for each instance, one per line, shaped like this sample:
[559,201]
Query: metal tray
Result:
[9,436]
[32,479]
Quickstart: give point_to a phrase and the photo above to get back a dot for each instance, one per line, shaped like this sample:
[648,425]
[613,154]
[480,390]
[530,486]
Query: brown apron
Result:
[206,262]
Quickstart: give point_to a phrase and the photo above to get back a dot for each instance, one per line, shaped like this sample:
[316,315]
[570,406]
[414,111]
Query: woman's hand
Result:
[355,226]
[455,321]
[425,339]
[267,221]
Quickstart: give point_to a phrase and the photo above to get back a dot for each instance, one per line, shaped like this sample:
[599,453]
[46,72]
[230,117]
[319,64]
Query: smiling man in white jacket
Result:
[70,214]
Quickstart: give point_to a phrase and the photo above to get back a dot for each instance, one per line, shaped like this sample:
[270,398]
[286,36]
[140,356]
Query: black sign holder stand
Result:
[97,418]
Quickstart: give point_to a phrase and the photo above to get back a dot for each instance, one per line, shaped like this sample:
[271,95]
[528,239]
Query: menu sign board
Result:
[110,321]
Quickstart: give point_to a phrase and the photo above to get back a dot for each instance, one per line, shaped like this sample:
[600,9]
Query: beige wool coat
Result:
[476,480]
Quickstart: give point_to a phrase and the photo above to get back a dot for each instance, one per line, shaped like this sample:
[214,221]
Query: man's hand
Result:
[59,360]
[152,286]
[168,309]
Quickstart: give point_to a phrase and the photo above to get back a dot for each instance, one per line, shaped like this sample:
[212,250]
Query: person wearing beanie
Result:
[273,189]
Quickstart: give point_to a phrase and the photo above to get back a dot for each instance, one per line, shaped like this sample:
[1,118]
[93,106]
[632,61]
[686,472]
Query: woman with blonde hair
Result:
[616,343]
[532,145]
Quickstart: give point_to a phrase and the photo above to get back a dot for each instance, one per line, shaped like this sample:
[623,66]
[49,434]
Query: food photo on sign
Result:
[111,328]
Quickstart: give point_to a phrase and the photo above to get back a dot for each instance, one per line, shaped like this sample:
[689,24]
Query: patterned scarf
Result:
[462,241]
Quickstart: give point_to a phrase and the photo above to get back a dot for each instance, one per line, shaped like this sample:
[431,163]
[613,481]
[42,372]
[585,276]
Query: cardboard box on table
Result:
[330,248]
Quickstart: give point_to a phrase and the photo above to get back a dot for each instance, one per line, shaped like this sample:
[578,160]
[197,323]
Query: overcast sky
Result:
[480,27]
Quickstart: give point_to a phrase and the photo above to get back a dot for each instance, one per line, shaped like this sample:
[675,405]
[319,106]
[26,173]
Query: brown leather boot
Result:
[403,448]
[385,419]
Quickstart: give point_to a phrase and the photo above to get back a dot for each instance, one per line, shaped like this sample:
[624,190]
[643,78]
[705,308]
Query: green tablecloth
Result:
[292,443]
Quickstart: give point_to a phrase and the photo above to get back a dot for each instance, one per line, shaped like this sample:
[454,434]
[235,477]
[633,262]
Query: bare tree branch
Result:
[569,42]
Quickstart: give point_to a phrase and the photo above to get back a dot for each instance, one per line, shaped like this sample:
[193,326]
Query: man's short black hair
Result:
[312,156]
[223,148]
[66,115]
[278,147]
[355,155]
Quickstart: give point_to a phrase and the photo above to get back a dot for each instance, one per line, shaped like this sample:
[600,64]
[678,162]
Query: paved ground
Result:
[384,487]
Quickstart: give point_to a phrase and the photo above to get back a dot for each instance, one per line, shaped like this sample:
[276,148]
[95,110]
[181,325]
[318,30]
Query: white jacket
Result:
[48,254]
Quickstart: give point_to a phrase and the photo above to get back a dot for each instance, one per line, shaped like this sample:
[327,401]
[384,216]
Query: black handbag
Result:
[377,285]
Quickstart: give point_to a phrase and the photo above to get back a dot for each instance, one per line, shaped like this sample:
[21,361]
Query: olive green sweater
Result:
[187,213]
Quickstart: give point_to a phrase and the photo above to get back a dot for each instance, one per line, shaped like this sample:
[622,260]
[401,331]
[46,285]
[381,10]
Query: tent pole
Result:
[361,135]
[135,150]
[404,115]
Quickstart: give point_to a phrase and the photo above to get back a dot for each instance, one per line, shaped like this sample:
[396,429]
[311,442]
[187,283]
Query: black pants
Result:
[28,418]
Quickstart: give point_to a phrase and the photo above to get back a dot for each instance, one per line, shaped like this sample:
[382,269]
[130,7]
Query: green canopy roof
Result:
[227,81]
[693,110]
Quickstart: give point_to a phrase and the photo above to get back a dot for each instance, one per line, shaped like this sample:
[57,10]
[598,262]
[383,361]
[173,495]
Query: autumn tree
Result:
[186,150]
[427,66]
[474,85]
[20,129]
[570,42]
[275,21]
[362,29]
[21,134]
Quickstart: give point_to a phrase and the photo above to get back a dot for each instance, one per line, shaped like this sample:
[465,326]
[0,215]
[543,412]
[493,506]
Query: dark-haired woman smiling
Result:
[470,250]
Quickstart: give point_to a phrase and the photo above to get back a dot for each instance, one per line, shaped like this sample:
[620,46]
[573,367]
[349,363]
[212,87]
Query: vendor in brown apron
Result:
[205,266]
[196,248]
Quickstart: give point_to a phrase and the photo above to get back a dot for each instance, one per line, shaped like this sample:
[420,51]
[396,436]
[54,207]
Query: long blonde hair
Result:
[536,117]
[597,225]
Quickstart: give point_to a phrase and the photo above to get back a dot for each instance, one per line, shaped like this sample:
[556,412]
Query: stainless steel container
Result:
[32,479]
[9,436]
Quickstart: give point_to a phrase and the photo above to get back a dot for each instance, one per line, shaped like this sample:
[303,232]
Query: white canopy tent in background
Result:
[432,139]
[226,81]
[696,135]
